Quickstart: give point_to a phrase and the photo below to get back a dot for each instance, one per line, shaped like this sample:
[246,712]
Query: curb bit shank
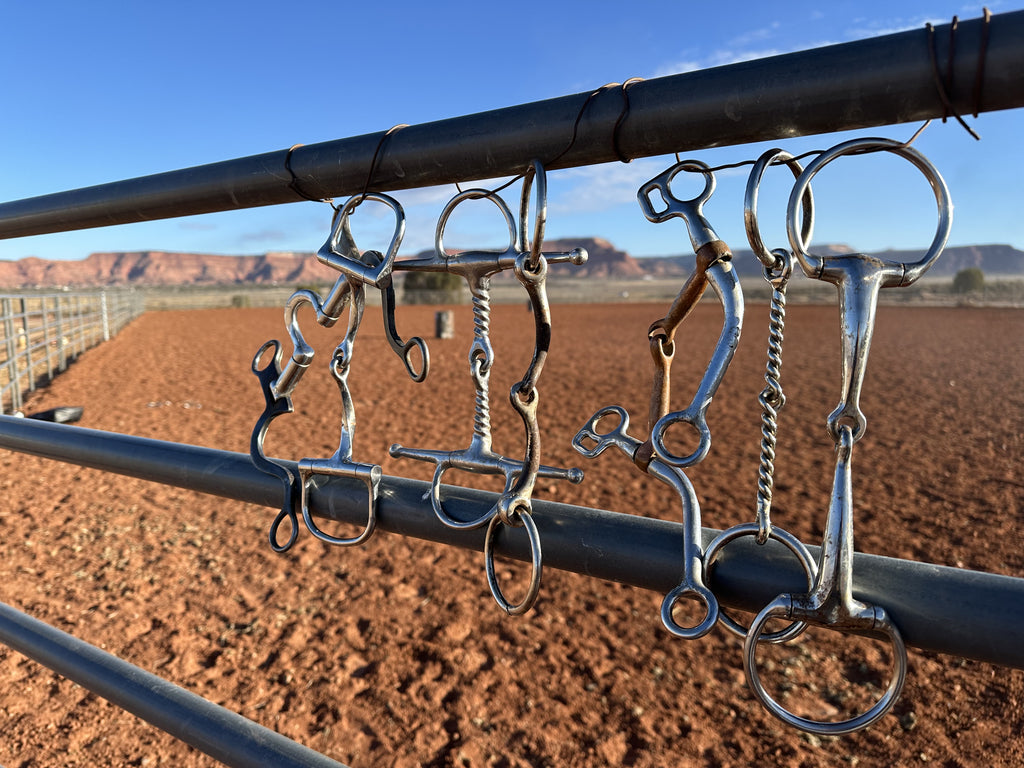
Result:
[651,456]
[277,383]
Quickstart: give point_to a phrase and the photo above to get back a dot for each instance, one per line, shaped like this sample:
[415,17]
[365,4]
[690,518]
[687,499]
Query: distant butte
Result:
[161,268]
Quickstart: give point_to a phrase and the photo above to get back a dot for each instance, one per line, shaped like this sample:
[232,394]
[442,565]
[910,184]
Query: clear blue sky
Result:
[100,91]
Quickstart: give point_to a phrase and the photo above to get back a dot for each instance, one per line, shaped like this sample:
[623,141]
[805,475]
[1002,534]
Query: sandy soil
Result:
[395,654]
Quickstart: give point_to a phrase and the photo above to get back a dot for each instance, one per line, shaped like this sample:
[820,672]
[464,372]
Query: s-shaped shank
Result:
[651,456]
[277,382]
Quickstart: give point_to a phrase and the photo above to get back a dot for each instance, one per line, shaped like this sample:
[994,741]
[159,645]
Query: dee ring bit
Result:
[778,267]
[830,603]
[525,257]
[357,269]
[651,456]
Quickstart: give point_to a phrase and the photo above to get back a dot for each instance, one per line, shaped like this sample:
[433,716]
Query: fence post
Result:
[25,329]
[62,358]
[45,316]
[104,314]
[77,327]
[12,358]
[444,324]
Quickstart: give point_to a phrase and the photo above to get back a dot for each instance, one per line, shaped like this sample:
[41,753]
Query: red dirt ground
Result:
[394,653]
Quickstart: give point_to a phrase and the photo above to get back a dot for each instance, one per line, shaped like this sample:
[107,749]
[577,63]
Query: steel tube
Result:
[874,82]
[941,609]
[218,732]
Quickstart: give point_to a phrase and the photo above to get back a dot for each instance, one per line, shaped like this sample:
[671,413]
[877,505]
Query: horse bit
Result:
[277,384]
[829,601]
[523,255]
[858,279]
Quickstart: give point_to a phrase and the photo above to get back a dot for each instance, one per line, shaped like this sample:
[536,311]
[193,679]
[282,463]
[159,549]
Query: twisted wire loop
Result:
[777,267]
[481,358]
[772,398]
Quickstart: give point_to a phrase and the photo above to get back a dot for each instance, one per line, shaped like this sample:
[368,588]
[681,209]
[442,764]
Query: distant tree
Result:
[432,288]
[969,280]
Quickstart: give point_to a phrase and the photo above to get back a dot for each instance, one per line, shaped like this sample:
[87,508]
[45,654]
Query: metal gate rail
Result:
[230,738]
[941,609]
[875,82]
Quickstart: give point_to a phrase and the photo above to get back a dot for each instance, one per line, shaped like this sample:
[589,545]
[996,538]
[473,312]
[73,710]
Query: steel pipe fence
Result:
[882,81]
[941,609]
[41,333]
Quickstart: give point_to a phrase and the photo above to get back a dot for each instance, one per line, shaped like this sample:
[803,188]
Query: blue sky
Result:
[101,91]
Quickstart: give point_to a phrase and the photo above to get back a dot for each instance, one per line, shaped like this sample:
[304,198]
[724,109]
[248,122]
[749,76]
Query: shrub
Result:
[432,288]
[969,280]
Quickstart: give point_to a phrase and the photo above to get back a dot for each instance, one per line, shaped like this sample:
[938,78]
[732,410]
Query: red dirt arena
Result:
[394,653]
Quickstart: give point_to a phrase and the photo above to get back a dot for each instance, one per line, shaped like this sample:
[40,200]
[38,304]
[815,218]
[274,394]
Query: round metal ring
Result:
[766,257]
[812,265]
[703,595]
[783,537]
[695,417]
[535,559]
[535,172]
[474,194]
[782,606]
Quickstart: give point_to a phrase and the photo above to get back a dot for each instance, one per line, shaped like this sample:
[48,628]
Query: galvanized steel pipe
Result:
[230,738]
[941,609]
[879,81]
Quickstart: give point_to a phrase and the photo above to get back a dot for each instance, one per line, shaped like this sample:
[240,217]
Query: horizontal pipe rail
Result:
[938,608]
[224,735]
[879,81]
